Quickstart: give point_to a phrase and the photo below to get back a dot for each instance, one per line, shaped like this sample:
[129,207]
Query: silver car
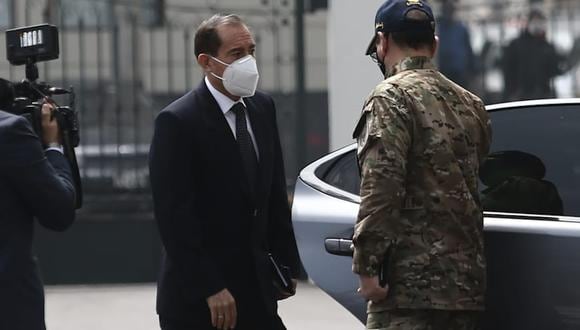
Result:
[530,188]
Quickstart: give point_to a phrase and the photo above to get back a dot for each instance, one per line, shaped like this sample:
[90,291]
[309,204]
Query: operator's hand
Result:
[371,290]
[50,131]
[222,307]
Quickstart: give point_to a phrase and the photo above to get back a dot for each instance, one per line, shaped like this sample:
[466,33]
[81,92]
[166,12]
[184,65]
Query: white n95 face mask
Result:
[240,77]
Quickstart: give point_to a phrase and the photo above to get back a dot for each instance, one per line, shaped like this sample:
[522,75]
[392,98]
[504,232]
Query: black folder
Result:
[282,277]
[383,270]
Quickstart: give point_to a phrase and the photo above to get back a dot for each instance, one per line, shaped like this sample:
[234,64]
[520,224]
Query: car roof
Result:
[532,103]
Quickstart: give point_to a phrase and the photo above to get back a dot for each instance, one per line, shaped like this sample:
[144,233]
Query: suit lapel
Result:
[221,135]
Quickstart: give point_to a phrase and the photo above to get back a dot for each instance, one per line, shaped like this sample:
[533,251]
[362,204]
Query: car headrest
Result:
[501,165]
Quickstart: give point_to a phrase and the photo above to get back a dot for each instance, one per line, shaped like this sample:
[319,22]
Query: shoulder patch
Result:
[364,127]
[362,122]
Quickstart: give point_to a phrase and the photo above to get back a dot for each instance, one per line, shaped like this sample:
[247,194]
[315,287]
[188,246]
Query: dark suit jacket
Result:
[215,233]
[33,184]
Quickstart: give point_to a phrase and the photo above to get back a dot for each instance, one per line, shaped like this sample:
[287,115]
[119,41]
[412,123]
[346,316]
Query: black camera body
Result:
[27,46]
[27,102]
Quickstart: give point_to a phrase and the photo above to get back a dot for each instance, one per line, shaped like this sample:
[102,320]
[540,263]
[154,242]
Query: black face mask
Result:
[380,63]
[382,67]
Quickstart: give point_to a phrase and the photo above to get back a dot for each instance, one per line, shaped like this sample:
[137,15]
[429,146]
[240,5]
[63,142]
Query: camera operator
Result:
[35,183]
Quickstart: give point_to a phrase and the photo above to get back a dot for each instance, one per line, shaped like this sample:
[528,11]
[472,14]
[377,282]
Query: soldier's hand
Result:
[222,307]
[50,131]
[370,288]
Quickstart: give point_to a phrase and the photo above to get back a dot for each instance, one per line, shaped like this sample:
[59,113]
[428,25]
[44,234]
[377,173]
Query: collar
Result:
[224,102]
[412,63]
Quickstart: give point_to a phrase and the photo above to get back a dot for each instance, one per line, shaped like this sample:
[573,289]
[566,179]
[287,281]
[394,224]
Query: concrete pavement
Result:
[132,307]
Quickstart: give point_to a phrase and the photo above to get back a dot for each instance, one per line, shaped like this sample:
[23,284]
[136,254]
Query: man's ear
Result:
[435,46]
[203,61]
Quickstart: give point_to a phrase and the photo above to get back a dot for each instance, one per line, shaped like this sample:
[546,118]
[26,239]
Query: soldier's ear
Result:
[382,44]
[435,46]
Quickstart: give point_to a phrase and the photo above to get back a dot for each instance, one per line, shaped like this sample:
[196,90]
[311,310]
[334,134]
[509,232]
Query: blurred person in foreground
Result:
[418,242]
[530,62]
[219,192]
[35,183]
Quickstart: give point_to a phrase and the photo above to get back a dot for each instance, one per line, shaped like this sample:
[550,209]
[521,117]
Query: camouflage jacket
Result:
[421,139]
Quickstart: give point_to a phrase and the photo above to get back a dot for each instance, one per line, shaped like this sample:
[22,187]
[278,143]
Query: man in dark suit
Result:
[34,183]
[219,192]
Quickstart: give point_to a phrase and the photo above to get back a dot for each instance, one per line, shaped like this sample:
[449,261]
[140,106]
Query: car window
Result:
[344,174]
[534,161]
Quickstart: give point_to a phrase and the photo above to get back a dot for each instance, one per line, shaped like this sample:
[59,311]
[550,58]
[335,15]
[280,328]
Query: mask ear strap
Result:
[215,75]
[218,60]
[221,62]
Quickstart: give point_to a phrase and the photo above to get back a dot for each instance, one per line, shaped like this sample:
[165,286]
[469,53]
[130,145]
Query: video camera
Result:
[27,46]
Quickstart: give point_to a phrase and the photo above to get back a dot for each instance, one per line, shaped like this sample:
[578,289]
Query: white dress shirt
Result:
[225,104]
[55,149]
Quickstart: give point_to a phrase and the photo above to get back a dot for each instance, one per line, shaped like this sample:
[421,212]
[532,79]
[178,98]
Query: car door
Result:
[324,209]
[530,191]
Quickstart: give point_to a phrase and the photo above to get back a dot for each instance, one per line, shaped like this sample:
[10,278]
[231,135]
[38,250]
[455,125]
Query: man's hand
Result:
[371,290]
[50,132]
[223,310]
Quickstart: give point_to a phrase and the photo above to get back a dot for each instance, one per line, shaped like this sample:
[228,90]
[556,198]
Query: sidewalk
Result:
[132,307]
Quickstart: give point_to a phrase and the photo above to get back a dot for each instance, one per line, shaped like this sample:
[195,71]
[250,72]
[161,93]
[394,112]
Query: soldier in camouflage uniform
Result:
[421,139]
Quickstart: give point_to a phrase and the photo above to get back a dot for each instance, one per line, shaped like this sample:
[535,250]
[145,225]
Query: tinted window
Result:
[343,174]
[534,164]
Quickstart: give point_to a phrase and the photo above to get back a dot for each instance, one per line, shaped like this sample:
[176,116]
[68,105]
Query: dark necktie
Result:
[246,146]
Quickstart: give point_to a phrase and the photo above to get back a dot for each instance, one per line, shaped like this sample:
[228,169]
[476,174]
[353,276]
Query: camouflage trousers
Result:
[431,319]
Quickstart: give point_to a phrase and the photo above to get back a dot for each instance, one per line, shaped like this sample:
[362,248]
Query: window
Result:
[92,13]
[5,13]
[534,163]
[153,12]
[344,174]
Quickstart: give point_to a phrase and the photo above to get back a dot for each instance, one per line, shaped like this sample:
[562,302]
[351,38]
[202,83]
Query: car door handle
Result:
[339,246]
